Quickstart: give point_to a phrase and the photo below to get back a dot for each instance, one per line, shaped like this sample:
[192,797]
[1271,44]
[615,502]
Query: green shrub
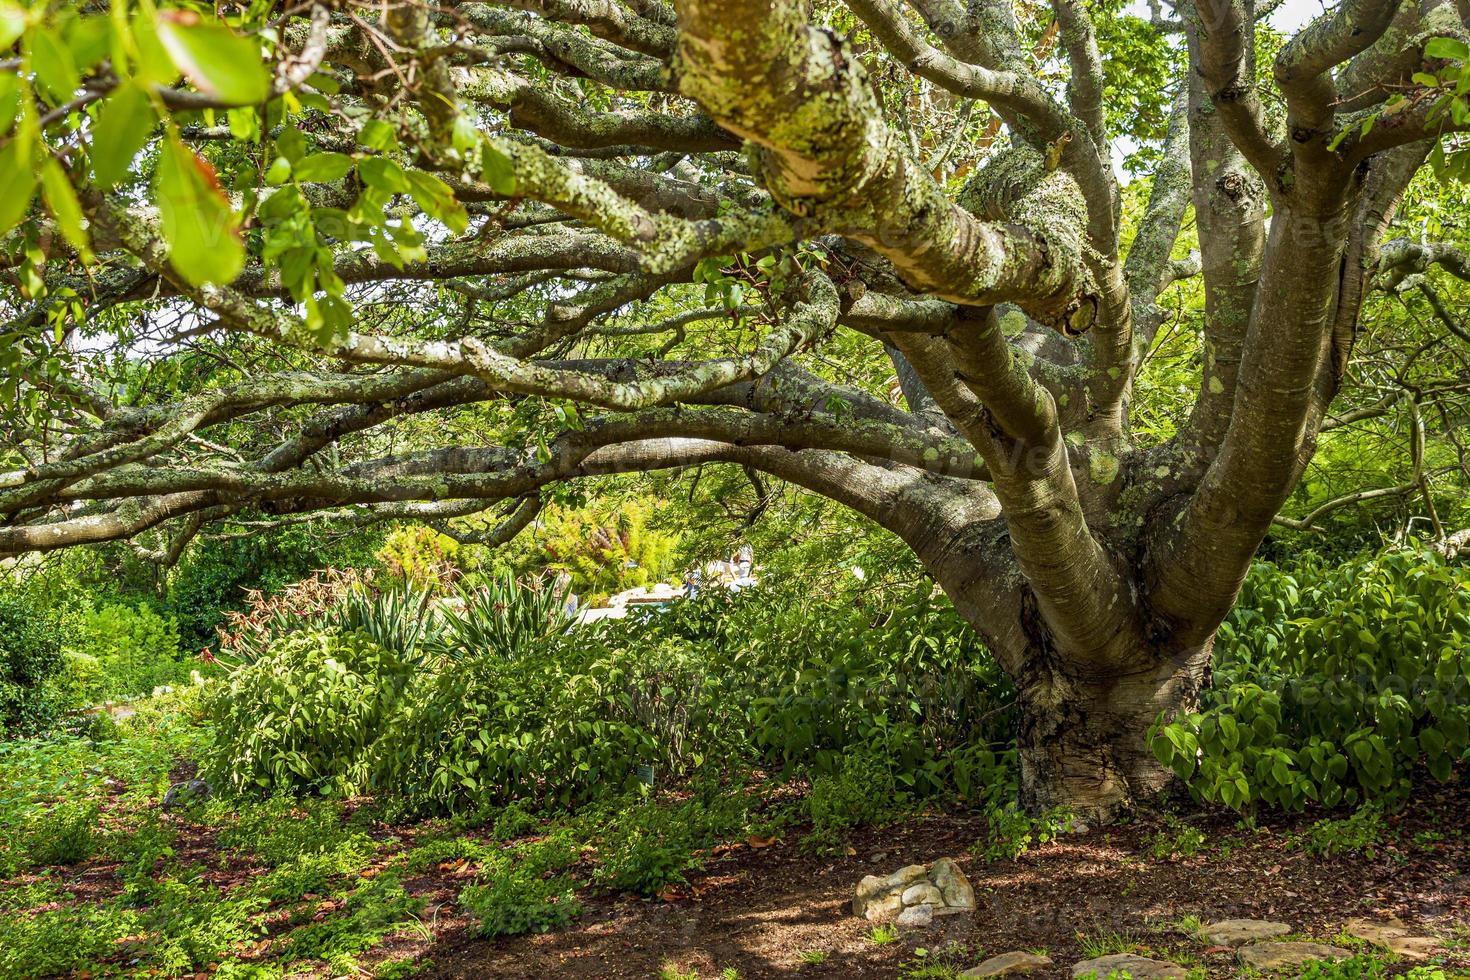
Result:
[1176,839]
[376,909]
[304,717]
[441,850]
[120,650]
[280,830]
[1013,832]
[420,557]
[554,725]
[303,606]
[648,845]
[513,900]
[63,941]
[501,702]
[1334,685]
[500,616]
[513,821]
[862,792]
[1361,967]
[647,848]
[190,924]
[401,619]
[905,680]
[606,549]
[1362,833]
[141,849]
[217,575]
[31,666]
[64,834]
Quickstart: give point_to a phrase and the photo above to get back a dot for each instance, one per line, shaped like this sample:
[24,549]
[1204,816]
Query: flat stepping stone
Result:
[1008,963]
[1137,967]
[1268,957]
[1392,935]
[1234,932]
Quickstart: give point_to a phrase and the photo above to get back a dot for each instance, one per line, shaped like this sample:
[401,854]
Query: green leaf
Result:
[61,199]
[323,167]
[12,24]
[153,63]
[10,95]
[56,70]
[218,61]
[122,128]
[291,144]
[278,172]
[1446,47]
[384,174]
[18,177]
[89,40]
[281,205]
[437,200]
[198,223]
[500,172]
[378,135]
[1229,732]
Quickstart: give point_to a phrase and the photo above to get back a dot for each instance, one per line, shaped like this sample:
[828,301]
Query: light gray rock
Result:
[181,796]
[943,868]
[883,906]
[875,898]
[915,917]
[922,893]
[1234,932]
[952,883]
[907,875]
[1138,967]
[867,890]
[1009,963]
[1269,957]
[1392,935]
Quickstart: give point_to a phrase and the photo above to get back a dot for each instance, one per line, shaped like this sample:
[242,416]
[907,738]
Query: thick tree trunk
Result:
[1083,740]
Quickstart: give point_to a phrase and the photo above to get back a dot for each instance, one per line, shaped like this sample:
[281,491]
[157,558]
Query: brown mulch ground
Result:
[757,911]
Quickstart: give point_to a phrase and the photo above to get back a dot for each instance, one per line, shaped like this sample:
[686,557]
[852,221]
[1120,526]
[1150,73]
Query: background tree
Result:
[367,262]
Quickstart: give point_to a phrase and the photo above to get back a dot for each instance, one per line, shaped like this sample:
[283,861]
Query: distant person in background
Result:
[744,561]
[742,564]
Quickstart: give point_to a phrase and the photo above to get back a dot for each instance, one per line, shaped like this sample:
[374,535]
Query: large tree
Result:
[352,221]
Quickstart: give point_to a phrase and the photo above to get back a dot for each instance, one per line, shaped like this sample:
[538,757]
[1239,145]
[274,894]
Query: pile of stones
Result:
[912,896]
